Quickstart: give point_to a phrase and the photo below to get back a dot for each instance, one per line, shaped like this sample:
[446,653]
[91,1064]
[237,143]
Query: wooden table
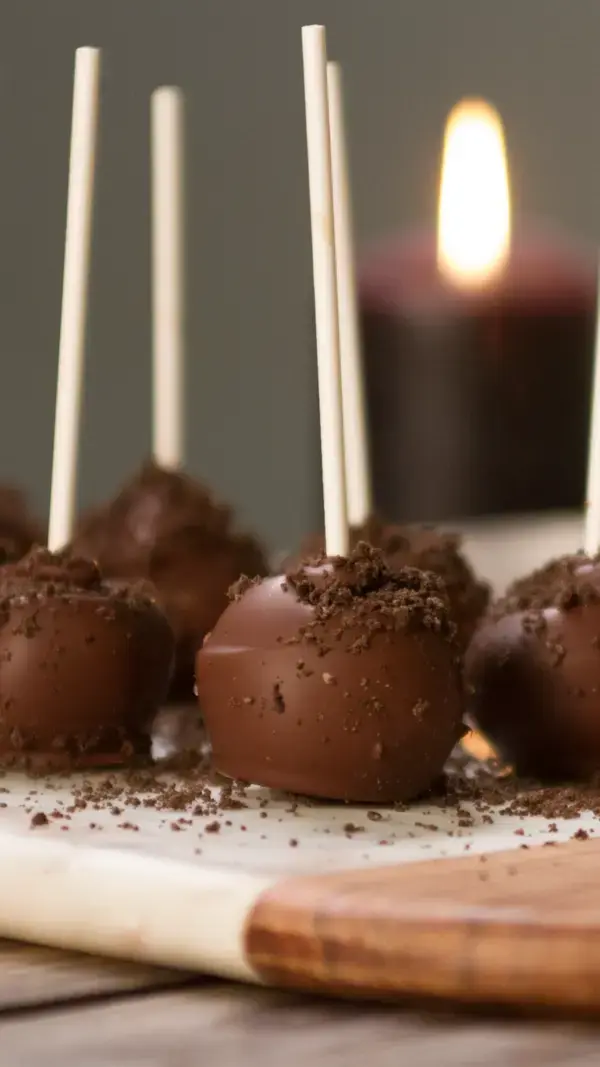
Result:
[64,1010]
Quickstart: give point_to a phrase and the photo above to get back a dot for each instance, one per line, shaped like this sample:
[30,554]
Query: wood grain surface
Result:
[519,928]
[230,1026]
[34,976]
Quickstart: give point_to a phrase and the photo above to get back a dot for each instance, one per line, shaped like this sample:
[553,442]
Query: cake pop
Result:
[84,663]
[165,527]
[340,680]
[427,549]
[533,671]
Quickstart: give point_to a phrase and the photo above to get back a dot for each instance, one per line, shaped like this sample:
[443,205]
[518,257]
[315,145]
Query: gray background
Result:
[251,381]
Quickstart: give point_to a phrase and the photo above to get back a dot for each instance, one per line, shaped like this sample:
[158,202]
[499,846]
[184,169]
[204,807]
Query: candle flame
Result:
[478,746]
[474,208]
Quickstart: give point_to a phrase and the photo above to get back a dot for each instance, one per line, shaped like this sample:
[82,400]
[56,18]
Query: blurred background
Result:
[251,396]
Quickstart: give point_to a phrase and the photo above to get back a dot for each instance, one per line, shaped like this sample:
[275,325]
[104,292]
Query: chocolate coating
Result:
[166,528]
[428,550]
[533,672]
[84,664]
[340,681]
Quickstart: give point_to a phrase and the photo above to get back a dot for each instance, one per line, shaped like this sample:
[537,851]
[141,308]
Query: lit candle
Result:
[477,348]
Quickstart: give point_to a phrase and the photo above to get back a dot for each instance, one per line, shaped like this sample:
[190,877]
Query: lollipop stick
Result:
[325,287]
[168,328]
[356,450]
[84,135]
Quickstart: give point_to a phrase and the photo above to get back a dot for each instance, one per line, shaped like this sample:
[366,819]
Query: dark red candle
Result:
[478,391]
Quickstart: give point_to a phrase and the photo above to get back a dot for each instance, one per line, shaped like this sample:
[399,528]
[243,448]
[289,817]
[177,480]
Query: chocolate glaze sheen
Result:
[339,681]
[165,527]
[428,550]
[84,664]
[533,671]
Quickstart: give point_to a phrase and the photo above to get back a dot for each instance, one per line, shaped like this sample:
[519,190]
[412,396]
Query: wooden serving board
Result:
[518,928]
[288,895]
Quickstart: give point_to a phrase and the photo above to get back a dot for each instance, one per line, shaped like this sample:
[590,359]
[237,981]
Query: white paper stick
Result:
[131,906]
[324,277]
[168,297]
[591,538]
[356,448]
[71,356]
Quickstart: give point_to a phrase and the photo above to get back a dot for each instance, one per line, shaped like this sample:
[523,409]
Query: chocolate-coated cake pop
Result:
[19,531]
[533,671]
[428,550]
[84,664]
[165,527]
[340,680]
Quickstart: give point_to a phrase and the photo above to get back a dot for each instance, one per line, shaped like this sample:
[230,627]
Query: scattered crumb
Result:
[581,835]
